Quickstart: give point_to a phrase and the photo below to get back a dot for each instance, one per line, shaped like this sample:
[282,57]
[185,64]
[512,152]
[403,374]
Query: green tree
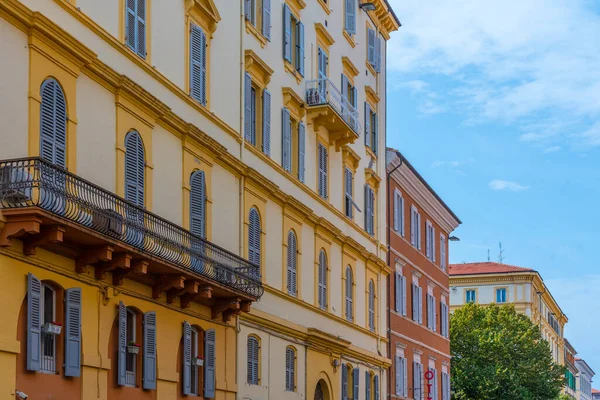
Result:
[498,354]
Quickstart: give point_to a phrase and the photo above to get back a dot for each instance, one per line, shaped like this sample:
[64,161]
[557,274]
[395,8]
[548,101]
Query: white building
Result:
[584,380]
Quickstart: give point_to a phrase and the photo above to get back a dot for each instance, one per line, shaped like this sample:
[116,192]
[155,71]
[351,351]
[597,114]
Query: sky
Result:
[497,105]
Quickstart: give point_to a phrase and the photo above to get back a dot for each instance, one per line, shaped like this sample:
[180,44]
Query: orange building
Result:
[419,227]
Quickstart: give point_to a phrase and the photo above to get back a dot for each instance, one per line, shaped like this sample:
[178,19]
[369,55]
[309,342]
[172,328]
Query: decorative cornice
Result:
[323,34]
[372,96]
[349,68]
[294,102]
[384,18]
[257,68]
[350,157]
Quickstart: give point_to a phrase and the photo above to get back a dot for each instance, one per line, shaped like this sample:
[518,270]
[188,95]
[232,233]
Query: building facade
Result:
[595,394]
[572,371]
[585,376]
[420,224]
[490,282]
[164,164]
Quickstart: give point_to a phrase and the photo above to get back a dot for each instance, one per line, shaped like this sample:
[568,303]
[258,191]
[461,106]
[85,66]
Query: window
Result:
[419,390]
[323,63]
[431,320]
[293,40]
[374,50]
[322,280]
[349,101]
[349,190]
[134,169]
[290,369]
[445,386]
[430,241]
[350,381]
[198,49]
[415,227]
[253,360]
[371,386]
[400,294]
[371,129]
[401,377]
[198,204]
[323,170]
[254,236]
[470,296]
[350,20]
[48,313]
[135,26]
[369,210]
[258,13]
[192,354]
[292,253]
[371,306]
[293,142]
[130,359]
[53,123]
[257,115]
[434,384]
[349,294]
[444,312]
[501,295]
[398,212]
[443,252]
[417,303]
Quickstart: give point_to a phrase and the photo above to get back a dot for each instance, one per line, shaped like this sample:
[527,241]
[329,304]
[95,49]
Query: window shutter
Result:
[198,204]
[290,369]
[398,375]
[287,34]
[443,252]
[371,47]
[187,358]
[412,227]
[415,307]
[427,240]
[248,107]
[287,140]
[432,243]
[266,21]
[73,332]
[372,216]
[344,89]
[248,10]
[344,382]
[301,151]
[254,237]
[348,190]
[134,169]
[403,286]
[433,312]
[322,171]
[376,383]
[401,215]
[349,283]
[130,24]
[371,306]
[252,360]
[350,17]
[267,122]
[416,381]
[291,264]
[300,46]
[367,385]
[149,381]
[141,28]
[398,292]
[367,210]
[34,323]
[209,363]
[367,124]
[444,387]
[355,379]
[122,356]
[420,298]
[53,123]
[377,54]
[322,280]
[405,371]
[419,231]
[375,138]
[396,212]
[198,64]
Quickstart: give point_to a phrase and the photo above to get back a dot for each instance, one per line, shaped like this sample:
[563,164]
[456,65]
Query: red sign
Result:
[429,376]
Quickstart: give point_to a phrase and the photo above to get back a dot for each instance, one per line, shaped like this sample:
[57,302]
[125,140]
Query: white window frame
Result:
[398,212]
[443,256]
[474,300]
[415,227]
[498,290]
[48,363]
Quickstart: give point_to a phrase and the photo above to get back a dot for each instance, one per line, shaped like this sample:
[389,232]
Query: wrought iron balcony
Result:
[327,107]
[87,216]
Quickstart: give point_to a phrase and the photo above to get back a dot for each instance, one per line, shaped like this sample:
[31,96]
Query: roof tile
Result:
[485,268]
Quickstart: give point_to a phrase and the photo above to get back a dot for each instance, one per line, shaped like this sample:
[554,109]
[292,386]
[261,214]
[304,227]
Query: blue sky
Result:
[497,104]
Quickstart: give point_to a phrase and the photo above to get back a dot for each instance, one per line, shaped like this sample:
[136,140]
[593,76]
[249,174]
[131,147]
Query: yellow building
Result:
[490,282]
[162,164]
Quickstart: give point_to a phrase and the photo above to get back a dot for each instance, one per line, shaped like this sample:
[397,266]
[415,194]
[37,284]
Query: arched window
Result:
[349,283]
[253,359]
[134,169]
[292,251]
[193,352]
[53,123]
[290,369]
[371,305]
[198,204]
[322,273]
[254,237]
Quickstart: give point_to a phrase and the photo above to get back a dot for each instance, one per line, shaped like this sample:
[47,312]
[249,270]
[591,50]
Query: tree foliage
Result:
[498,354]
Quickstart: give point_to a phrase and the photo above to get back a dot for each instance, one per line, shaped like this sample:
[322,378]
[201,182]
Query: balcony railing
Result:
[324,92]
[33,182]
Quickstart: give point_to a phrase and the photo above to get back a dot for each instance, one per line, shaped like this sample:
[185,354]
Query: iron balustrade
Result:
[323,91]
[34,182]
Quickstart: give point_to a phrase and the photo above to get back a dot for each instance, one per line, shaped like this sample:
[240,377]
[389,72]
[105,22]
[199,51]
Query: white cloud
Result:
[498,184]
[513,61]
[591,137]
[438,163]
[552,149]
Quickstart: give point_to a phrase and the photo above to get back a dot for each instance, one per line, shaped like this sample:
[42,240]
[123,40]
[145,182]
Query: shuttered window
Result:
[253,360]
[249,110]
[134,169]
[322,273]
[350,14]
[443,252]
[198,204]
[374,44]
[368,385]
[348,188]
[398,212]
[135,26]
[444,328]
[431,323]
[210,339]
[292,253]
[149,361]
[323,170]
[266,140]
[418,387]
[355,383]
[290,369]
[430,241]
[369,210]
[266,19]
[445,386]
[415,228]
[198,48]
[401,376]
[349,294]
[287,33]
[254,236]
[301,150]
[286,151]
[73,332]
[34,323]
[53,123]
[371,306]
[187,360]
[300,48]
[345,373]
[367,124]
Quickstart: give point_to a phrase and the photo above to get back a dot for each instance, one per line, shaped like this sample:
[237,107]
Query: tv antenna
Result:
[488,255]
[500,254]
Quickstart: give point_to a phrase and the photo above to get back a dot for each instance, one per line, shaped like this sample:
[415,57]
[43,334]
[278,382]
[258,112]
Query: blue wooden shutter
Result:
[376,383]
[398,293]
[149,377]
[122,354]
[198,204]
[404,291]
[130,24]
[254,237]
[355,381]
[377,53]
[344,382]
[197,64]
[350,17]
[266,142]
[322,171]
[248,107]
[375,139]
[252,361]
[34,323]
[73,332]
[367,385]
[398,375]
[300,46]
[187,358]
[367,124]
[301,150]
[291,264]
[141,28]
[248,10]
[349,313]
[209,363]
[287,140]
[53,123]
[348,189]
[371,46]
[372,210]
[367,208]
[287,33]
[322,279]
[371,306]
[289,369]
[266,20]
[134,169]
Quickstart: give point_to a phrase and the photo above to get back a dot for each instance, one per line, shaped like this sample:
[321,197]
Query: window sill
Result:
[323,4]
[370,152]
[371,69]
[349,38]
[292,70]
[256,33]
